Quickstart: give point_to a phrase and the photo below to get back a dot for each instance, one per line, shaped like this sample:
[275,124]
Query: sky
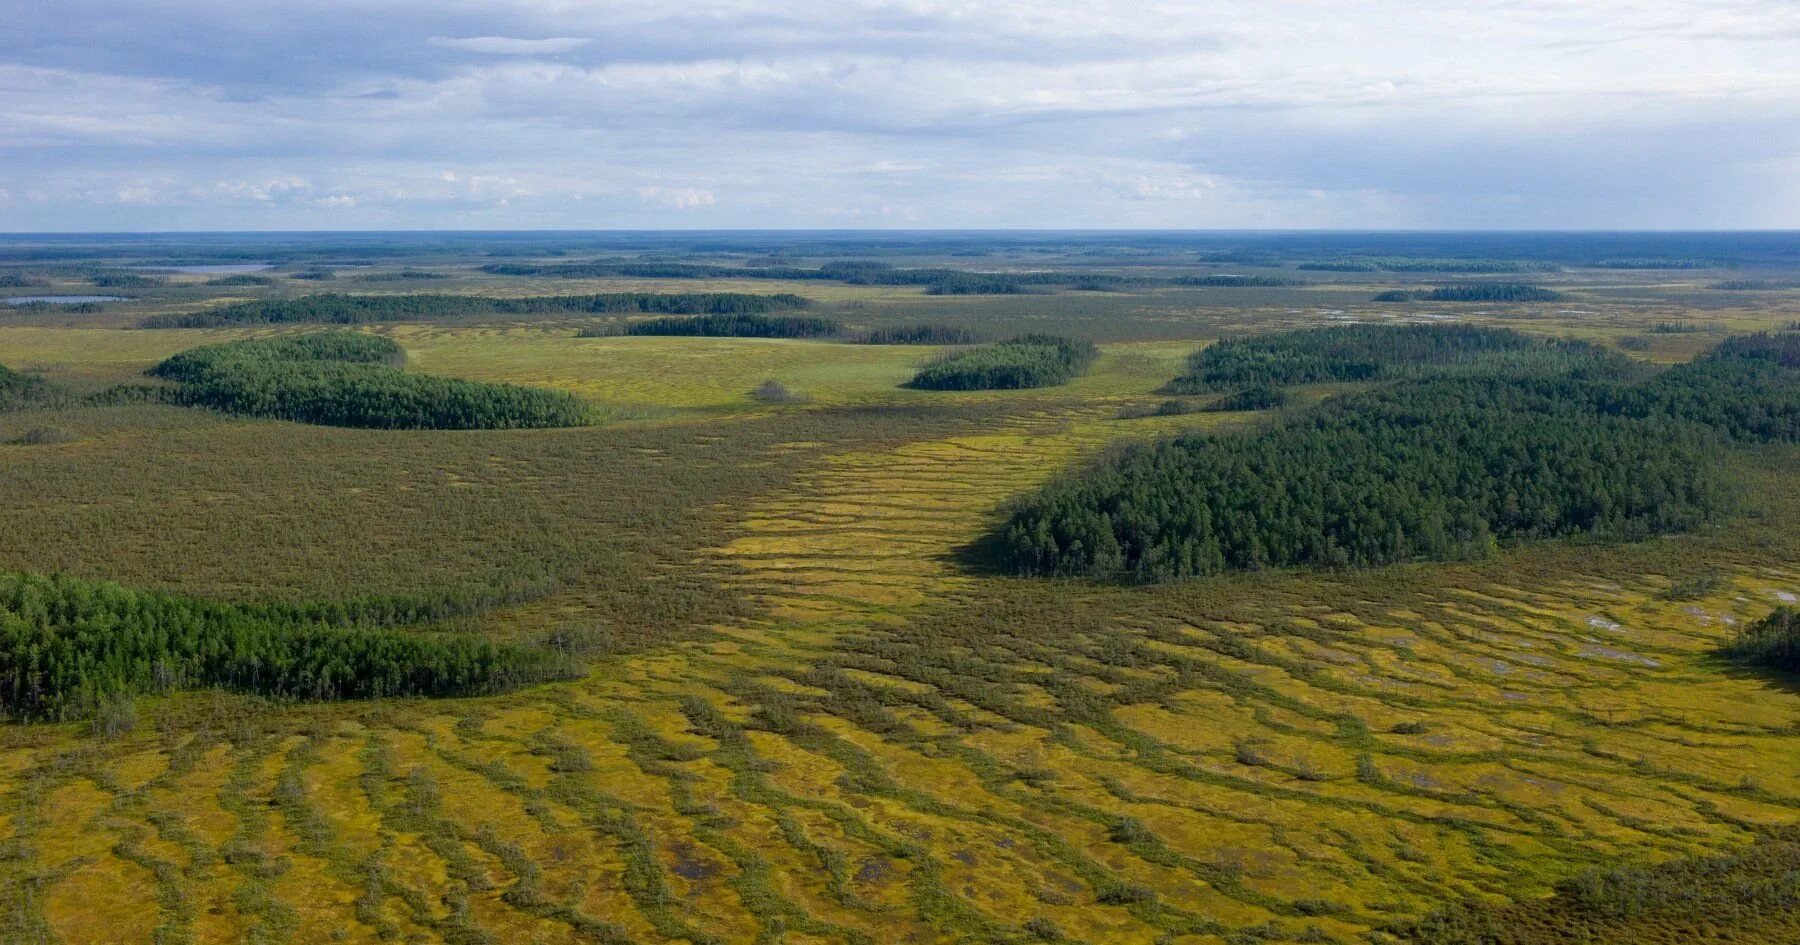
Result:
[710,114]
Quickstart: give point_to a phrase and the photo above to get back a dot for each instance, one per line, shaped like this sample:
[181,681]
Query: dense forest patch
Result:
[331,308]
[1361,353]
[67,646]
[1474,292]
[1022,362]
[1437,468]
[738,325]
[354,380]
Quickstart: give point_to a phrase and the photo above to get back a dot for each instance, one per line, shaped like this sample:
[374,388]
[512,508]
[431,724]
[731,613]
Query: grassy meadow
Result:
[807,714]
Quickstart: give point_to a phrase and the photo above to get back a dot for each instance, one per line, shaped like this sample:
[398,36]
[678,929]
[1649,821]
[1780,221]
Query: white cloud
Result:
[511,46]
[933,112]
[676,198]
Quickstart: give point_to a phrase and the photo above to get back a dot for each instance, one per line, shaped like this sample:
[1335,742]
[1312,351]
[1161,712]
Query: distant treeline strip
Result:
[1425,264]
[738,326]
[353,380]
[1473,292]
[68,645]
[330,308]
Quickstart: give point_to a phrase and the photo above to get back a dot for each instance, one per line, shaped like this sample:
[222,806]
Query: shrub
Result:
[774,392]
[42,436]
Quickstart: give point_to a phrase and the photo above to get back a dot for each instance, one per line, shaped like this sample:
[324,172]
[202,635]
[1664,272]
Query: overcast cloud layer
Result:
[346,114]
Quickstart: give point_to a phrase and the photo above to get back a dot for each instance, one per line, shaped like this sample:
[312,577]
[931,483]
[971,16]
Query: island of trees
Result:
[354,380]
[1022,362]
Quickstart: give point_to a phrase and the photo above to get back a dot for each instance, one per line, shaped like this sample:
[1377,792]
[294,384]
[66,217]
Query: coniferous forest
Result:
[334,309]
[1438,467]
[1018,363]
[67,645]
[354,380]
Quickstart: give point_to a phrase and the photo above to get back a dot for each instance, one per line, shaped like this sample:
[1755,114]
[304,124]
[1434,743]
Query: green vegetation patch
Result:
[738,325]
[67,646]
[336,309]
[1224,281]
[1022,362]
[1437,468]
[1773,641]
[353,380]
[19,390]
[920,335]
[1356,353]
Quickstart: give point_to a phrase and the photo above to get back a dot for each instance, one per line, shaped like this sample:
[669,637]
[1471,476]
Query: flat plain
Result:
[805,714]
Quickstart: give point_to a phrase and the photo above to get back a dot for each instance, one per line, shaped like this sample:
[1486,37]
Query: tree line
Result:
[1355,353]
[68,645]
[1473,292]
[738,325]
[354,380]
[332,308]
[1433,468]
[1426,264]
[935,334]
[1022,362]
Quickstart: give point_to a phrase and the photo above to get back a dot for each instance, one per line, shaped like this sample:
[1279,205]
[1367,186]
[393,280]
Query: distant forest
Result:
[1473,292]
[738,326]
[354,380]
[1441,465]
[336,309]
